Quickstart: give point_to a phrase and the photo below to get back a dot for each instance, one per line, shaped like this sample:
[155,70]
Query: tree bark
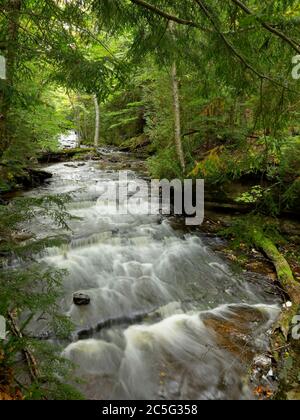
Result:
[176,107]
[78,120]
[177,117]
[13,9]
[97,121]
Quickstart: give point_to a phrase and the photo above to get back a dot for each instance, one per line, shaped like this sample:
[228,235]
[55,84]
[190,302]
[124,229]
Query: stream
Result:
[168,318]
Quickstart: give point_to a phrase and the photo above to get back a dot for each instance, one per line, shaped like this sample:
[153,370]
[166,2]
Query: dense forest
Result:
[164,89]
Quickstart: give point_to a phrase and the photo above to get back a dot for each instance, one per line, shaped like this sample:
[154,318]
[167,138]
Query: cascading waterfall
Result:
[69,140]
[167,318]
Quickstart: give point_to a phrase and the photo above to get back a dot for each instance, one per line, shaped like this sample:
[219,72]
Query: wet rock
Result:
[236,332]
[262,361]
[22,236]
[166,311]
[66,155]
[85,334]
[32,178]
[114,159]
[4,254]
[3,202]
[27,178]
[261,266]
[81,299]
[70,165]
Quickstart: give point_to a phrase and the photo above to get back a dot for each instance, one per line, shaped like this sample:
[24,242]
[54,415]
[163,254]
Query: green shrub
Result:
[165,165]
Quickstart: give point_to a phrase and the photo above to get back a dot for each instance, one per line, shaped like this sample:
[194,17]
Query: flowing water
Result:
[168,318]
[68,140]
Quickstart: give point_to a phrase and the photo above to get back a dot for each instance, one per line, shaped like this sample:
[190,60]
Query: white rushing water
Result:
[69,140]
[168,318]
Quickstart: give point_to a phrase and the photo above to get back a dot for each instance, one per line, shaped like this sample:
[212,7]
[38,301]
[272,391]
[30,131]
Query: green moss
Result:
[78,151]
[284,272]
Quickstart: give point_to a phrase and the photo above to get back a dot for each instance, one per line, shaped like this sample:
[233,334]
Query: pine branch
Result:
[226,41]
[185,22]
[168,16]
[269,28]
[164,14]
[232,48]
[217,30]
[30,359]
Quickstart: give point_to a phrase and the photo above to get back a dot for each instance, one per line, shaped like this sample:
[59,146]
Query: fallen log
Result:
[64,155]
[283,269]
[285,277]
[228,207]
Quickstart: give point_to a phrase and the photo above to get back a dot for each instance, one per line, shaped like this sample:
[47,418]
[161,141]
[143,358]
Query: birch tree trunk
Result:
[176,107]
[97,122]
[177,117]
[79,139]
[78,121]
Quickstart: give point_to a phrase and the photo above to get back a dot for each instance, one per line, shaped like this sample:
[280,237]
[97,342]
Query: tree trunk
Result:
[79,138]
[177,117]
[78,120]
[176,106]
[13,10]
[97,122]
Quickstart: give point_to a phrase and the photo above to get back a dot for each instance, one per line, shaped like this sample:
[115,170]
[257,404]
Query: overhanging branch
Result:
[166,15]
[269,28]
[231,47]
[193,24]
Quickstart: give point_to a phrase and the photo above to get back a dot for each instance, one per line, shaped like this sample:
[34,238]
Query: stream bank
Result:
[12,181]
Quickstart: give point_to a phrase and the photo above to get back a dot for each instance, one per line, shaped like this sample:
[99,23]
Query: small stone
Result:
[262,361]
[81,299]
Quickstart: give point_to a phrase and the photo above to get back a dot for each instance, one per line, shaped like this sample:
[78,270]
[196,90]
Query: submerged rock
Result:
[237,331]
[70,165]
[81,299]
